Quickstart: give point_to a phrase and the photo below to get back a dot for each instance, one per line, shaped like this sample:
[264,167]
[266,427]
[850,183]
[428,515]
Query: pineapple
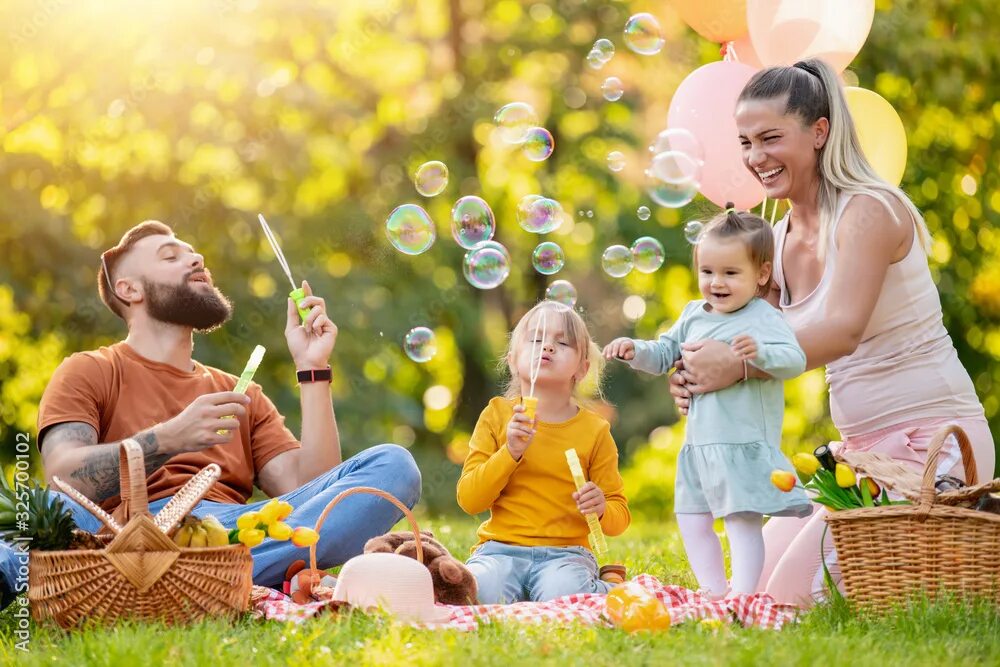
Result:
[50,524]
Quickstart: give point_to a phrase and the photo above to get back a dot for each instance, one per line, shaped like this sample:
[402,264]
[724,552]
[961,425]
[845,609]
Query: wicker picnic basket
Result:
[141,573]
[933,546]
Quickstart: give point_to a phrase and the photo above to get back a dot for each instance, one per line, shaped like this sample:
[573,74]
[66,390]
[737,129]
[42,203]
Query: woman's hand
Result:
[520,433]
[710,365]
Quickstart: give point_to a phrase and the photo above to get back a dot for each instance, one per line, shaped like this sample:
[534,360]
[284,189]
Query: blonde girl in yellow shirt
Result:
[534,544]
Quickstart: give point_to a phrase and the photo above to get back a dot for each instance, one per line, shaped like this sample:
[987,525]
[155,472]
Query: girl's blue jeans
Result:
[509,573]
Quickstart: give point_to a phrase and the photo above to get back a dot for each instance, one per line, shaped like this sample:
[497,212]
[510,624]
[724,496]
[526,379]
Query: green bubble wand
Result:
[297,294]
[247,376]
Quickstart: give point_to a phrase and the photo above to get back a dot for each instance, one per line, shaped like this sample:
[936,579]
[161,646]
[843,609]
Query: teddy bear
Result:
[453,582]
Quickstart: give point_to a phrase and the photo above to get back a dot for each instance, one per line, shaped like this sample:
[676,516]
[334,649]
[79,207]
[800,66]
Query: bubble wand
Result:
[297,294]
[246,376]
[531,401]
[597,541]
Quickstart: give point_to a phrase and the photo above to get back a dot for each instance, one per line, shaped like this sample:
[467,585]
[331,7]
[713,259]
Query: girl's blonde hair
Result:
[752,230]
[577,335]
[813,91]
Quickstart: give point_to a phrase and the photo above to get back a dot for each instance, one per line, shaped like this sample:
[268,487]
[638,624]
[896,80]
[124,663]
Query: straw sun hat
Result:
[398,585]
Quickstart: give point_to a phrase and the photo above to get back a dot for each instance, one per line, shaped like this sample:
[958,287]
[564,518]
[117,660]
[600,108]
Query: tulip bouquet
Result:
[269,521]
[832,484]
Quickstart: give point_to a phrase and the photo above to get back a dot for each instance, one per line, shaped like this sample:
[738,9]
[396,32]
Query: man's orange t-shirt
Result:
[121,393]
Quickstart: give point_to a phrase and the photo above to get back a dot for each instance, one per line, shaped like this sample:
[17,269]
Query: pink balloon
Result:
[705,104]
[786,31]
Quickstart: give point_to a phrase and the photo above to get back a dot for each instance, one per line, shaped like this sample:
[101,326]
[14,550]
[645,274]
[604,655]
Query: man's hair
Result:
[111,257]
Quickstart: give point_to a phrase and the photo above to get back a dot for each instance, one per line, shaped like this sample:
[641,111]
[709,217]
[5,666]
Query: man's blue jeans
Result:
[348,526]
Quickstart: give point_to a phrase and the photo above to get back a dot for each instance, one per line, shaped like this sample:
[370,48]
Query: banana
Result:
[182,537]
[199,537]
[218,536]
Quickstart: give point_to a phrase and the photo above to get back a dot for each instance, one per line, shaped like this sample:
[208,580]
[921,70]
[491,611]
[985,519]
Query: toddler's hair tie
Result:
[730,207]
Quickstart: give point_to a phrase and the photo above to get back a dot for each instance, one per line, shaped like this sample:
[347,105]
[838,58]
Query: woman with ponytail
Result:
[852,279]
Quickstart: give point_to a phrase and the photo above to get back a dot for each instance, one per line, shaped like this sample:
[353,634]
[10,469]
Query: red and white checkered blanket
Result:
[758,610]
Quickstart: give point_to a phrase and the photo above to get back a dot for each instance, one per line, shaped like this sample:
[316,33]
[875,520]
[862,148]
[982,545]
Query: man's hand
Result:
[197,426]
[590,500]
[520,433]
[310,342]
[620,348]
[745,347]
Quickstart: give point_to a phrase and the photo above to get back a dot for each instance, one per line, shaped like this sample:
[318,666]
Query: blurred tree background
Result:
[204,113]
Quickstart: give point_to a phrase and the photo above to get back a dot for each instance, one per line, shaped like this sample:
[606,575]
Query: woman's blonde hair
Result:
[577,335]
[752,230]
[813,91]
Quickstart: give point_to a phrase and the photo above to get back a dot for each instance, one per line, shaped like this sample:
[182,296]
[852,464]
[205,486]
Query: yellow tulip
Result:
[845,476]
[783,479]
[248,520]
[269,512]
[807,464]
[285,510]
[304,537]
[279,530]
[251,537]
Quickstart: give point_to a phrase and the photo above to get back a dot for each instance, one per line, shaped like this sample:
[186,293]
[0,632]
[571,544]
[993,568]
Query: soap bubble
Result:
[514,121]
[604,48]
[420,344]
[692,232]
[539,215]
[642,34]
[471,221]
[548,258]
[612,89]
[648,254]
[410,229]
[679,139]
[538,144]
[562,291]
[676,168]
[594,59]
[431,178]
[643,213]
[616,161]
[670,195]
[486,265]
[617,261]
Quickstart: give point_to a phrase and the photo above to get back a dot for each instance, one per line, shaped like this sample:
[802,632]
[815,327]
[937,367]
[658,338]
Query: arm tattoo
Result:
[100,470]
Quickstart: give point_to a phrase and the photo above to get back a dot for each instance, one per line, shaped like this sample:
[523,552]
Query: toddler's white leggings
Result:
[704,552]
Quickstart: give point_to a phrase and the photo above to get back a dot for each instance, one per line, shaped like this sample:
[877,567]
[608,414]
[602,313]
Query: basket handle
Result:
[88,504]
[132,467]
[189,495]
[381,494]
[927,491]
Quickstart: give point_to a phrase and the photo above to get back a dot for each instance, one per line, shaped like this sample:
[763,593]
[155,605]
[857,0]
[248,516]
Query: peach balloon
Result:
[718,20]
[880,131]
[704,104]
[786,31]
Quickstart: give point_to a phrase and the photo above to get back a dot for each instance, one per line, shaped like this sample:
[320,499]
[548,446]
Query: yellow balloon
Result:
[880,131]
[717,20]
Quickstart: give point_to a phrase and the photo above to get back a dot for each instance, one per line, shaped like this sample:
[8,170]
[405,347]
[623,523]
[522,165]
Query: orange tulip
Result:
[304,537]
[783,479]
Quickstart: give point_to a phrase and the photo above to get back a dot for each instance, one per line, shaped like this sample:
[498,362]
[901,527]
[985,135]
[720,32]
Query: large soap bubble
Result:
[538,144]
[539,215]
[617,261]
[431,178]
[647,254]
[561,291]
[548,258]
[514,121]
[472,221]
[486,265]
[642,34]
[410,229]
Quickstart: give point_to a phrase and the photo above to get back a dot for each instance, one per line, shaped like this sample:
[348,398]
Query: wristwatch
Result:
[315,375]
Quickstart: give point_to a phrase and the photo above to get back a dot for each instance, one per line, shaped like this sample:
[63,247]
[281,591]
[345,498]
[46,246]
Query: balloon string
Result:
[536,358]
[731,52]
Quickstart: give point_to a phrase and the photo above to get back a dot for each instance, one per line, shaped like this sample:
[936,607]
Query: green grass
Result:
[931,634]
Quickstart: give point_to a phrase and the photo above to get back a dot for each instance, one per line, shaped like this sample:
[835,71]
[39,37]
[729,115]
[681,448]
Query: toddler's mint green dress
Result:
[732,439]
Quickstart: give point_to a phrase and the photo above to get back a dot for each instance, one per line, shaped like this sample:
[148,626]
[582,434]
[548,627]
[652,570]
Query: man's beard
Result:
[201,309]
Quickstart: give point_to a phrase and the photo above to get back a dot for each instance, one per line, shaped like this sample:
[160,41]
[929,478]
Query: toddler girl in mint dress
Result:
[732,439]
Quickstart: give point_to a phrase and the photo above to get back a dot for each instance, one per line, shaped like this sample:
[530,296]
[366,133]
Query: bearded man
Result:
[186,415]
